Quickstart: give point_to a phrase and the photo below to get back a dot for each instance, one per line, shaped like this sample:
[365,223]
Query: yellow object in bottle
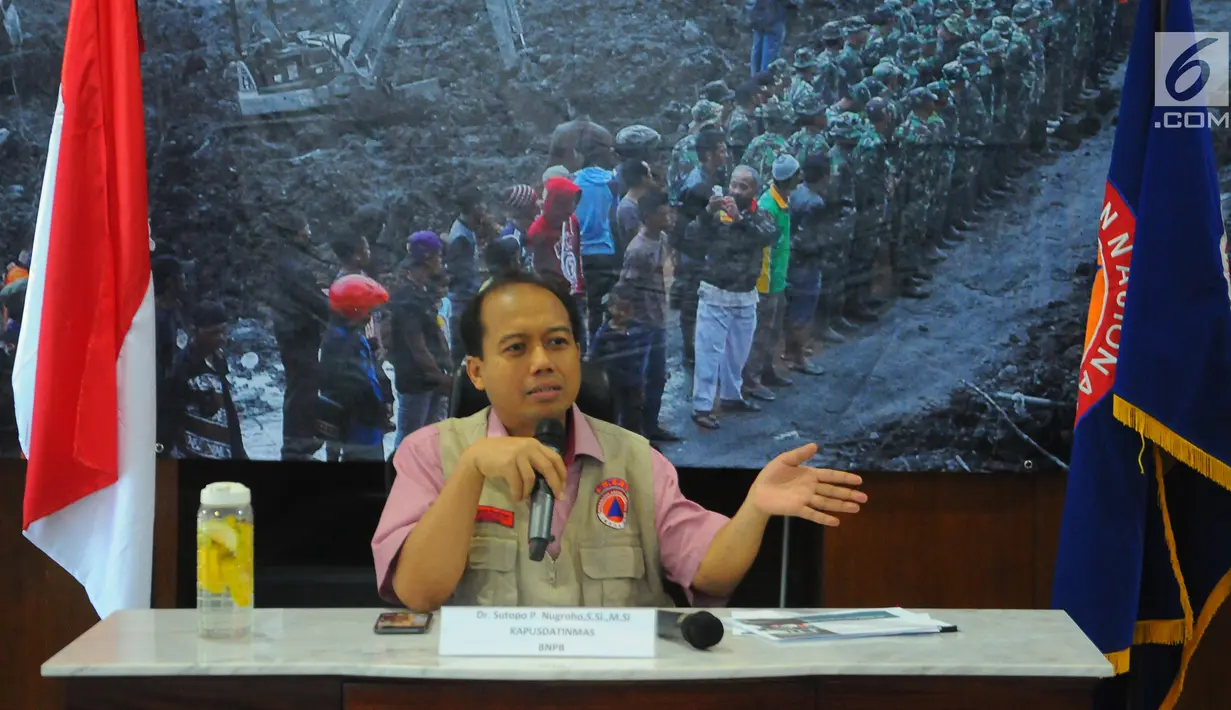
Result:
[209,571]
[224,558]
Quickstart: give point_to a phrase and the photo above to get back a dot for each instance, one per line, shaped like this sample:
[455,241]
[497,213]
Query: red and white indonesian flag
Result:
[84,375]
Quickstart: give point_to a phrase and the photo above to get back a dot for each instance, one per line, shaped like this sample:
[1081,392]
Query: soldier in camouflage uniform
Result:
[884,36]
[781,71]
[994,82]
[844,132]
[949,37]
[972,23]
[973,60]
[721,94]
[811,138]
[985,10]
[1027,19]
[922,11]
[850,60]
[944,158]
[905,20]
[1058,54]
[875,86]
[910,49]
[926,66]
[889,74]
[705,115]
[882,121]
[869,157]
[805,73]
[915,138]
[739,127]
[828,81]
[772,143]
[1022,77]
[971,119]
[854,100]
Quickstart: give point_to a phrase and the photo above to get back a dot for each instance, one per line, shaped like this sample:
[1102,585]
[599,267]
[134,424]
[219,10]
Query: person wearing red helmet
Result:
[355,394]
[554,238]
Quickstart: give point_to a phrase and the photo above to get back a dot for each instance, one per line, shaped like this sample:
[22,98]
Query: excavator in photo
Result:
[283,72]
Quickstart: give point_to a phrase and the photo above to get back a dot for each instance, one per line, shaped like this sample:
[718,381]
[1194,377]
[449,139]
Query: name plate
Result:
[566,632]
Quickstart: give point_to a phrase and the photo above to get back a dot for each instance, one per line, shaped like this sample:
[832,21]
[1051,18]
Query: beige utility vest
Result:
[603,560]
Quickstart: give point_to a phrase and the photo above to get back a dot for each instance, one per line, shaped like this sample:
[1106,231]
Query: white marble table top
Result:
[340,642]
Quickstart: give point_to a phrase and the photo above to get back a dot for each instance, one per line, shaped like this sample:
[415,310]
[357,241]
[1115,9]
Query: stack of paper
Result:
[788,625]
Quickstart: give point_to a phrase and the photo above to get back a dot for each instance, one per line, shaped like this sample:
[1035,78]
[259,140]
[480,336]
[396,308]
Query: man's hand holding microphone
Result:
[515,460]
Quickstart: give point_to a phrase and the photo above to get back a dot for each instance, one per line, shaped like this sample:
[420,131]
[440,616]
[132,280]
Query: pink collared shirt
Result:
[685,529]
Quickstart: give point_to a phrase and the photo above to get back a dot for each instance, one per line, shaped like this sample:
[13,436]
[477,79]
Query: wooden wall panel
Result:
[1048,510]
[166,535]
[940,540]
[42,608]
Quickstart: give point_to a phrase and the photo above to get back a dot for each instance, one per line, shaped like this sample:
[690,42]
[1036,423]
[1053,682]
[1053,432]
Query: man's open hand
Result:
[787,487]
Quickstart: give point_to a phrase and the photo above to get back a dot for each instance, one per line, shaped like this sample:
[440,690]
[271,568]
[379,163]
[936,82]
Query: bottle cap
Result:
[226,493]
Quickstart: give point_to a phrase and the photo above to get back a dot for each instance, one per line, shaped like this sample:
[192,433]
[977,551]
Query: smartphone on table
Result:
[403,622]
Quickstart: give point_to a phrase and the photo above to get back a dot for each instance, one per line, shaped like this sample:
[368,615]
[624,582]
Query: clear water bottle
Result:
[224,561]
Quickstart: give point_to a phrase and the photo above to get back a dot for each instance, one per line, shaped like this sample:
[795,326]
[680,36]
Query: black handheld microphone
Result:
[549,433]
[699,629]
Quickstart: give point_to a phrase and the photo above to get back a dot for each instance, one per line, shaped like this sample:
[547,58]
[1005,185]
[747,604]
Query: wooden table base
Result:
[826,693]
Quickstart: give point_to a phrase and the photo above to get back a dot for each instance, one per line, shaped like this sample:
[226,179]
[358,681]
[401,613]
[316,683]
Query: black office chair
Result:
[593,398]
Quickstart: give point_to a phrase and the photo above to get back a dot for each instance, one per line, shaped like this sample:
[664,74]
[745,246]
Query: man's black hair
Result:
[368,221]
[651,201]
[708,142]
[472,317]
[816,168]
[746,92]
[469,198]
[503,255]
[208,314]
[346,248]
[764,79]
[634,172]
[164,269]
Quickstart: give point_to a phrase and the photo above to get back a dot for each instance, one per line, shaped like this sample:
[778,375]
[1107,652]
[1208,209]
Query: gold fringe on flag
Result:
[1169,632]
[1212,603]
[1186,629]
[1179,447]
[1119,661]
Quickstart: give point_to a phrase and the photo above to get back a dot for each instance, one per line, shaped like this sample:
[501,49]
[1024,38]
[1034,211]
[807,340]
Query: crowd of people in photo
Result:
[790,215]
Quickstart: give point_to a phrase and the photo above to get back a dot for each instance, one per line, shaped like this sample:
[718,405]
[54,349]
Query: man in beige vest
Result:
[454,528]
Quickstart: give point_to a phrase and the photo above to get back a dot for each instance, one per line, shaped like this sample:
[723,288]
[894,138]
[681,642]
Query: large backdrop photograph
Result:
[332,181]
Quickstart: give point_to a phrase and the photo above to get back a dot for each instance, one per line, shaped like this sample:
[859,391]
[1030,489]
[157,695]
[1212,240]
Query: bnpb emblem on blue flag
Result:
[1145,550]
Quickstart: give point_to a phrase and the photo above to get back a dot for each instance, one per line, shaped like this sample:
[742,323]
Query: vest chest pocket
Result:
[490,578]
[613,576]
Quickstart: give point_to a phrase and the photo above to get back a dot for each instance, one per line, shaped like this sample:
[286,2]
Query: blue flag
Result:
[1145,543]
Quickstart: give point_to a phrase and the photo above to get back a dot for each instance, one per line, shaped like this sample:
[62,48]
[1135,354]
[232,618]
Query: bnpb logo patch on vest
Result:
[612,506]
